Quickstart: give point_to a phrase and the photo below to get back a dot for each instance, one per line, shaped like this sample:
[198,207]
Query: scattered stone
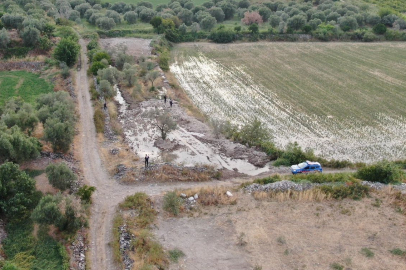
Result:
[79,251]
[196,197]
[191,199]
[114,151]
[29,66]
[183,195]
[229,194]
[125,245]
[121,170]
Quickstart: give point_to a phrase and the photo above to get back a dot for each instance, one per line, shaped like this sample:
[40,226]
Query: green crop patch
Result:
[22,84]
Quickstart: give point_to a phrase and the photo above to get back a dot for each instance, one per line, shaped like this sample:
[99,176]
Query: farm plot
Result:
[344,100]
[26,85]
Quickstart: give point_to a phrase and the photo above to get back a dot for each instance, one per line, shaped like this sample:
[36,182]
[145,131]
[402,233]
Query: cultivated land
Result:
[154,2]
[26,85]
[344,100]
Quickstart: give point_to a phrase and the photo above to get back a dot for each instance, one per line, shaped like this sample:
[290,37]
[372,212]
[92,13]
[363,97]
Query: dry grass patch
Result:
[311,195]
[167,173]
[211,195]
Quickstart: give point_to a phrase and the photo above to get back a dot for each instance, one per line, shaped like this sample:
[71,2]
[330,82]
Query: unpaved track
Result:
[109,193]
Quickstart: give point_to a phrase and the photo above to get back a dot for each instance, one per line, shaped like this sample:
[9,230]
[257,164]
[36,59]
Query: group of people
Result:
[170,100]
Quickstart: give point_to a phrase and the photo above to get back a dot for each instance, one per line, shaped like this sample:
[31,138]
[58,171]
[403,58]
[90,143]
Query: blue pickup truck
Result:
[306,167]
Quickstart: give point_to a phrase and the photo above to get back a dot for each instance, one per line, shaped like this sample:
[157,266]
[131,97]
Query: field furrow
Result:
[344,100]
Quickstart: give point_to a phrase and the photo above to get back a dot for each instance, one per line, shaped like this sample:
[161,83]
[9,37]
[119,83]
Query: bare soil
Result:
[287,235]
[135,46]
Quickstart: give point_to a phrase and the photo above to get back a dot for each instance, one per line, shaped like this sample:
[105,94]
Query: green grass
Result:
[24,84]
[398,252]
[367,252]
[23,249]
[344,100]
[175,254]
[33,173]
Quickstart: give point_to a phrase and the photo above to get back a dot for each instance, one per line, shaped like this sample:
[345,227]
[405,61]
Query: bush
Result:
[172,203]
[251,18]
[348,23]
[96,66]
[267,180]
[114,15]
[105,23]
[146,15]
[45,44]
[93,44]
[324,178]
[60,176]
[223,36]
[85,193]
[369,37]
[208,23]
[218,13]
[351,190]
[142,204]
[379,29]
[99,119]
[293,154]
[384,172]
[297,22]
[67,51]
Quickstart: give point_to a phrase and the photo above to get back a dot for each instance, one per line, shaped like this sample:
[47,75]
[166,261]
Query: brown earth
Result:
[287,235]
[135,46]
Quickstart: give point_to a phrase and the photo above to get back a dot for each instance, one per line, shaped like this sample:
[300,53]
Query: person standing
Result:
[170,102]
[165,98]
[146,160]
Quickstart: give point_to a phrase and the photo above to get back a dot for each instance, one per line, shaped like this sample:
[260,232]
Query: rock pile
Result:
[121,170]
[79,252]
[114,151]
[280,186]
[125,245]
[28,66]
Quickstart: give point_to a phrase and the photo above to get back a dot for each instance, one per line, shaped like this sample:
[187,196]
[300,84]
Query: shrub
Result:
[114,15]
[369,37]
[351,190]
[45,44]
[379,29]
[96,66]
[164,61]
[60,176]
[146,15]
[274,20]
[142,204]
[389,20]
[82,8]
[384,172]
[186,16]
[93,44]
[175,254]
[367,252]
[222,36]
[67,51]
[99,119]
[293,154]
[85,193]
[208,23]
[172,203]
[267,180]
[106,89]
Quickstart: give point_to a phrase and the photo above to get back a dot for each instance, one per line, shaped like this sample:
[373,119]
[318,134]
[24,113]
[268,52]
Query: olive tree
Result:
[17,192]
[17,146]
[60,176]
[162,120]
[106,89]
[30,36]
[152,76]
[131,17]
[114,15]
[4,38]
[296,22]
[347,23]
[105,23]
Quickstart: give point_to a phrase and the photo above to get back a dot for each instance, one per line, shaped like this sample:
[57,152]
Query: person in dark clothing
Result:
[105,105]
[146,160]
[165,99]
[170,102]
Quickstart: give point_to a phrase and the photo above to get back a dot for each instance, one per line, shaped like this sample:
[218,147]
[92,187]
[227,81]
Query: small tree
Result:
[347,23]
[152,76]
[114,15]
[60,134]
[106,89]
[254,133]
[379,29]
[85,193]
[60,176]
[4,38]
[129,73]
[162,120]
[105,23]
[217,13]
[251,17]
[17,146]
[67,51]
